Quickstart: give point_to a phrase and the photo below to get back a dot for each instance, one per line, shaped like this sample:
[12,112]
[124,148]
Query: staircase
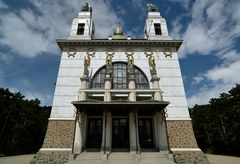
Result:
[121,158]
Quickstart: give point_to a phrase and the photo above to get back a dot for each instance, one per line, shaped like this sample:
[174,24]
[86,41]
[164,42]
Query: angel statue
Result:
[151,7]
[87,61]
[86,7]
[109,64]
[151,62]
[130,65]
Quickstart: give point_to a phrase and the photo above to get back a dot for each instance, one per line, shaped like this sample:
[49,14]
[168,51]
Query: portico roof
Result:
[120,105]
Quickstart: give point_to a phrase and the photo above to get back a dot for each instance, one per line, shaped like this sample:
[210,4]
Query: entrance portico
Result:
[131,126]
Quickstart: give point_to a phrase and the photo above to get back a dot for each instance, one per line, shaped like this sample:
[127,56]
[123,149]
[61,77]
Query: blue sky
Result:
[209,57]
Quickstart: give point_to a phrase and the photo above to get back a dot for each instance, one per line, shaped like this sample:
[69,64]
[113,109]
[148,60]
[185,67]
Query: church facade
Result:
[120,98]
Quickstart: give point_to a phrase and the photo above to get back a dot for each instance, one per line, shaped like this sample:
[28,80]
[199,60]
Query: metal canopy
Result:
[120,106]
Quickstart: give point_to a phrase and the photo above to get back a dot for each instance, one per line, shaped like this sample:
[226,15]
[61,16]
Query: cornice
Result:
[104,42]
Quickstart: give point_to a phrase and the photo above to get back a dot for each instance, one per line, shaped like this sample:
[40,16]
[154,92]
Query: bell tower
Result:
[82,25]
[155,26]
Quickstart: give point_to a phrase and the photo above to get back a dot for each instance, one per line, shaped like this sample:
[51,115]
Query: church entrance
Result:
[145,130]
[120,133]
[94,139]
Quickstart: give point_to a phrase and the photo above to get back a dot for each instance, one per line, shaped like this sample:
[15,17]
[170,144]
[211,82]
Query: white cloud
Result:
[213,30]
[207,92]
[3,5]
[29,32]
[227,74]
[197,79]
[217,80]
[45,99]
[214,27]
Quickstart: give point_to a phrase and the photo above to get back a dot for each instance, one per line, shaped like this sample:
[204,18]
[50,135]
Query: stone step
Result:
[153,155]
[89,155]
[121,158]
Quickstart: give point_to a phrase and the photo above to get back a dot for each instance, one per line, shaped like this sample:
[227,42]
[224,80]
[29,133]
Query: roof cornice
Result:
[104,42]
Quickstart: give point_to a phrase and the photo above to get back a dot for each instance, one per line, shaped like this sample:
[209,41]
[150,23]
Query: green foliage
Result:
[217,124]
[23,123]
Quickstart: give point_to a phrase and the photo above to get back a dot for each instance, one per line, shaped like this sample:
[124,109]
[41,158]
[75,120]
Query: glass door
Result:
[120,133]
[94,138]
[145,131]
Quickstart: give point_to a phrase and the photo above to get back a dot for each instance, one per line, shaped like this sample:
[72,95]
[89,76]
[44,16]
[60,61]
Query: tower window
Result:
[157,28]
[80,30]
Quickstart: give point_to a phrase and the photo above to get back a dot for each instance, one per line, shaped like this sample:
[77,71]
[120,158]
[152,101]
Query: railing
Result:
[120,92]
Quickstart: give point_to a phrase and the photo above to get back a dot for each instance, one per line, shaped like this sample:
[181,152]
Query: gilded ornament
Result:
[148,52]
[72,52]
[168,52]
[152,64]
[129,51]
[130,64]
[110,51]
[87,61]
[91,52]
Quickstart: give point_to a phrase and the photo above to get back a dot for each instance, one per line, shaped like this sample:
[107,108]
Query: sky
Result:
[209,56]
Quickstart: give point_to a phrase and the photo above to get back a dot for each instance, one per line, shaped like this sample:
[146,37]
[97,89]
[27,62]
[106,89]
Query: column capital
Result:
[84,78]
[155,78]
[108,79]
[132,79]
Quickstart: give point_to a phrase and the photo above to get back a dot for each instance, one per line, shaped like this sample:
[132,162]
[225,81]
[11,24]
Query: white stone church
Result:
[119,100]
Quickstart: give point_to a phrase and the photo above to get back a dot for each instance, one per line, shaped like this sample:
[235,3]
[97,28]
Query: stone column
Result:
[80,123]
[77,138]
[103,145]
[107,134]
[82,95]
[160,129]
[133,133]
[108,86]
[157,95]
[80,132]
[132,87]
[161,132]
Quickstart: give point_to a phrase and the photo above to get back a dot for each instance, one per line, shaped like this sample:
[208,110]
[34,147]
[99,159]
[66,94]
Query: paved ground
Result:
[214,159]
[20,159]
[221,159]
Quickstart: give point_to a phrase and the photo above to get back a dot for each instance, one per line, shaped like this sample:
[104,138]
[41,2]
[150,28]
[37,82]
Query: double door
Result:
[145,130]
[120,133]
[94,137]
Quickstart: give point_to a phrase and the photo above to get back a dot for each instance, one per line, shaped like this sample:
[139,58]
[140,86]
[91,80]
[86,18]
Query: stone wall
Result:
[50,157]
[180,134]
[190,157]
[59,134]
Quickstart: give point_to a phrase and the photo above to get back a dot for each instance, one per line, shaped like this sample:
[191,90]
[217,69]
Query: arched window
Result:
[120,77]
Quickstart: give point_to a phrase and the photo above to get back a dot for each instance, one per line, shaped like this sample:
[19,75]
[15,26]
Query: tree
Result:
[217,124]
[22,123]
